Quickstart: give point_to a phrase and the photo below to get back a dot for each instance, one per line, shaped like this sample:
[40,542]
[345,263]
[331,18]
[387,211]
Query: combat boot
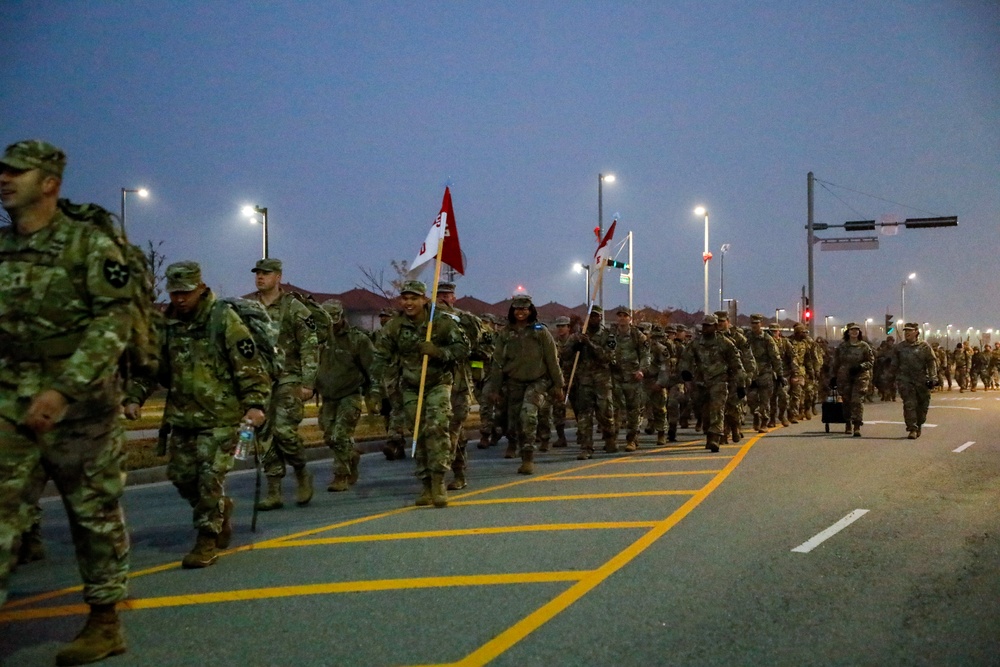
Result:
[561,437]
[586,452]
[341,482]
[100,638]
[32,548]
[672,433]
[610,443]
[389,449]
[439,494]
[631,443]
[400,450]
[273,500]
[511,450]
[204,552]
[459,482]
[527,462]
[425,499]
[225,535]
[543,444]
[712,442]
[304,491]
[847,427]
[734,429]
[484,440]
[661,439]
[756,422]
[352,476]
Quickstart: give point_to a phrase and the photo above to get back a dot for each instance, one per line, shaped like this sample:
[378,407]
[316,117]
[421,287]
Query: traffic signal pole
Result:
[810,242]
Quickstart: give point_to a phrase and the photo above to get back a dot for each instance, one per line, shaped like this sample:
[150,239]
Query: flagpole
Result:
[586,323]
[423,364]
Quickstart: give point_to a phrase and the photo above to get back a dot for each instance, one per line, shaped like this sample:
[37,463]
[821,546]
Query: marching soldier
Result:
[710,363]
[916,373]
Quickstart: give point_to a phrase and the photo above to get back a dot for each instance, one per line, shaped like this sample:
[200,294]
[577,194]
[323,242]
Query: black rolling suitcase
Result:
[833,409]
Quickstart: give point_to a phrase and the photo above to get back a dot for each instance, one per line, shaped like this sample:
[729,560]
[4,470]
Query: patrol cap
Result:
[669,328]
[710,319]
[722,315]
[596,309]
[645,326]
[183,276]
[386,312]
[562,321]
[852,325]
[334,308]
[414,287]
[35,154]
[446,288]
[623,310]
[800,327]
[267,266]
[911,326]
[756,317]
[520,301]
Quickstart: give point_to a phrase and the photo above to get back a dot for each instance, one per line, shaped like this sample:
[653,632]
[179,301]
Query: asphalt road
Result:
[797,547]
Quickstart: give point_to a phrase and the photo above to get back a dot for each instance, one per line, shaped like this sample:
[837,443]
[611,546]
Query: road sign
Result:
[859,243]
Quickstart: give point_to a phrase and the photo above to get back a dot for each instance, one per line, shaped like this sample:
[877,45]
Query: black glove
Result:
[833,383]
[686,376]
[578,346]
[741,392]
[780,381]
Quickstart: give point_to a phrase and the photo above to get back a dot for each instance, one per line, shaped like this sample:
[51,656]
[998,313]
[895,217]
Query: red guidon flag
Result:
[601,254]
[444,225]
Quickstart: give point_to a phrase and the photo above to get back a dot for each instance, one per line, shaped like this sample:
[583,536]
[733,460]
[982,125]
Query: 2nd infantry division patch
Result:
[246,348]
[115,273]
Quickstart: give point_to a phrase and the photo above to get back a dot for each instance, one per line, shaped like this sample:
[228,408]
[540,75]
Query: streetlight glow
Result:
[706,255]
[251,213]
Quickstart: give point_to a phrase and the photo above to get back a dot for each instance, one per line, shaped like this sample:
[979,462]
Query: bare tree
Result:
[156,261]
[376,282]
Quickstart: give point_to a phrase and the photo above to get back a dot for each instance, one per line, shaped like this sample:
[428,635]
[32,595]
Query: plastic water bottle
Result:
[245,442]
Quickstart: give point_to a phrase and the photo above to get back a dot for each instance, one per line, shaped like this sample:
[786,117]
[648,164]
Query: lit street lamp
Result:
[867,322]
[776,312]
[722,274]
[902,297]
[707,255]
[580,267]
[601,178]
[826,326]
[948,334]
[251,213]
[142,192]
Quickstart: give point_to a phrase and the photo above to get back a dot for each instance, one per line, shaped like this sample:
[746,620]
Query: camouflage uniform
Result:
[734,403]
[299,348]
[765,354]
[780,409]
[630,357]
[562,340]
[65,319]
[591,393]
[678,400]
[883,379]
[850,372]
[711,362]
[980,368]
[963,364]
[525,367]
[805,362]
[944,368]
[344,366]
[398,354]
[660,353]
[916,371]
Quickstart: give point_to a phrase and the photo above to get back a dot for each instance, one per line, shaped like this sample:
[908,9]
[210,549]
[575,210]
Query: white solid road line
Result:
[951,407]
[902,423]
[817,540]
[964,447]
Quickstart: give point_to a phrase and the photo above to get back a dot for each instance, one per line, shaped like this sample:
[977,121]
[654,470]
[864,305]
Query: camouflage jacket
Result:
[524,354]
[65,315]
[746,352]
[344,363]
[852,360]
[765,354]
[913,362]
[210,383]
[297,339]
[805,360]
[596,350]
[713,359]
[397,351]
[472,326]
[631,351]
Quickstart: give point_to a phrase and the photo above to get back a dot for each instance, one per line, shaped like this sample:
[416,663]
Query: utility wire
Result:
[912,208]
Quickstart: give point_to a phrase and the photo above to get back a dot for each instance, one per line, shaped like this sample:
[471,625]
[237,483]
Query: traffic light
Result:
[807,315]
[615,264]
[889,328]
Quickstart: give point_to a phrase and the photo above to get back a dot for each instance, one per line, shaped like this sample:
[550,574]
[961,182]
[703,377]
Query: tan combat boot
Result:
[273,499]
[661,439]
[672,433]
[586,451]
[631,441]
[204,552]
[304,491]
[527,462]
[341,482]
[100,638]
[439,494]
[511,450]
[425,499]
[459,482]
[561,437]
[225,535]
[610,443]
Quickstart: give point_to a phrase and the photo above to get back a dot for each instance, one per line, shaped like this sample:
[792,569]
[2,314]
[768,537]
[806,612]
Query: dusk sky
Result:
[347,119]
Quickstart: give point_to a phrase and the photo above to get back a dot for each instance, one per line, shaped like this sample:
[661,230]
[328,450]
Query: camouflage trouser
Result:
[678,403]
[559,414]
[759,396]
[712,399]
[280,433]
[916,398]
[796,390]
[433,443]
[962,377]
[199,461]
[398,427]
[655,405]
[779,400]
[734,404]
[944,373]
[487,415]
[339,418]
[460,402]
[544,433]
[525,400]
[629,404]
[591,397]
[84,458]
[853,390]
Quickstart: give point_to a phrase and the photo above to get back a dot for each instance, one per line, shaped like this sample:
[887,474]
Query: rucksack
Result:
[142,353]
[320,317]
[263,330]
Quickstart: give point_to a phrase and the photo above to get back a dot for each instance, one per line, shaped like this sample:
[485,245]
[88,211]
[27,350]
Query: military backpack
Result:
[263,330]
[321,319]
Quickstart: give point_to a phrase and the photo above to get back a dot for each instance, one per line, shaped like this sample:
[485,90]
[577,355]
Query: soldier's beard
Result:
[706,334]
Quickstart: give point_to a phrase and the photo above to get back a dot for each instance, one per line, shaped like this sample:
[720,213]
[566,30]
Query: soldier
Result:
[980,368]
[805,363]
[734,402]
[590,393]
[678,400]
[344,375]
[488,429]
[765,354]
[711,363]
[401,352]
[526,365]
[298,345]
[64,322]
[630,356]
[563,349]
[944,369]
[216,378]
[916,373]
[883,379]
[461,390]
[850,373]
[780,409]
[386,399]
[963,364]
[660,358]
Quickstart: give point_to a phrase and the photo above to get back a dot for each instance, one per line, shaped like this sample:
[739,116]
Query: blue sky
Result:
[347,119]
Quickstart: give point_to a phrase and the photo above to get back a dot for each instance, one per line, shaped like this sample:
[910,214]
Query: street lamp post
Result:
[707,255]
[948,338]
[776,312]
[902,296]
[578,267]
[722,274]
[826,327]
[601,178]
[142,192]
[251,213]
[867,322]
